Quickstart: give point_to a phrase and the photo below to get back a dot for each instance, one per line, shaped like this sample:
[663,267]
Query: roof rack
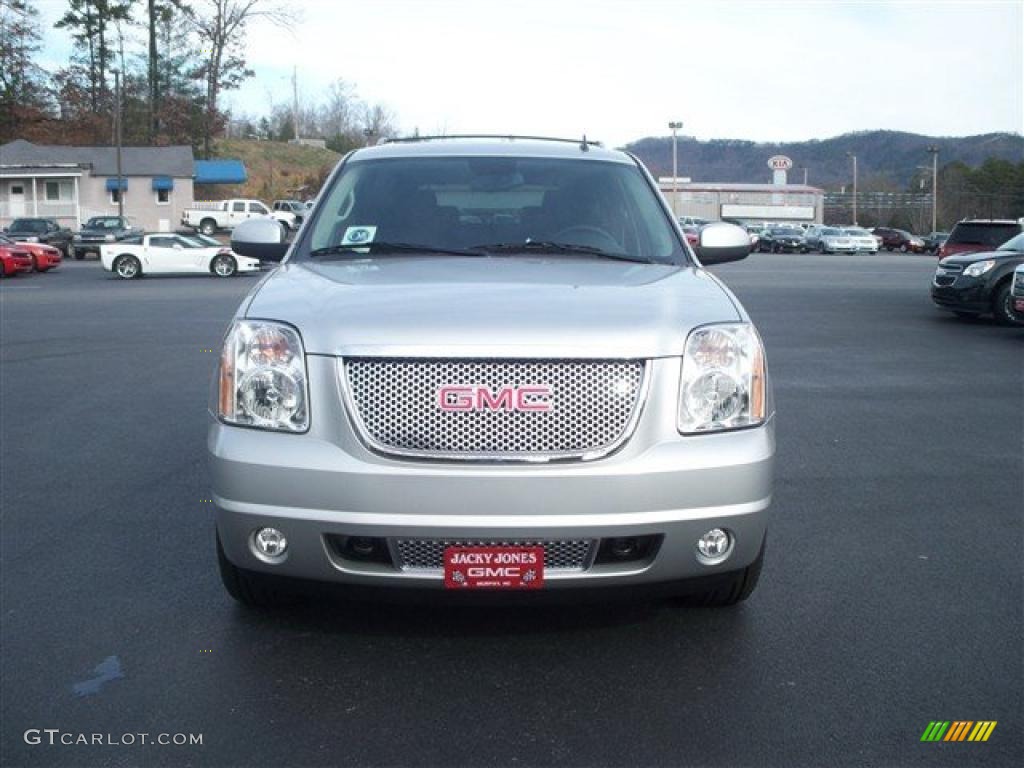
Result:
[584,143]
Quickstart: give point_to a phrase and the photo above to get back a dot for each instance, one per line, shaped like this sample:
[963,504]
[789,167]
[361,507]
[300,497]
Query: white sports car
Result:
[168,253]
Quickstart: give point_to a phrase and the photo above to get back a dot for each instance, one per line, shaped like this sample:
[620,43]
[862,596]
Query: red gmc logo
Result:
[479,397]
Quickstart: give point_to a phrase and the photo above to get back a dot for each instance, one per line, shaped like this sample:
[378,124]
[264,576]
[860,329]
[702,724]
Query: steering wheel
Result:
[589,233]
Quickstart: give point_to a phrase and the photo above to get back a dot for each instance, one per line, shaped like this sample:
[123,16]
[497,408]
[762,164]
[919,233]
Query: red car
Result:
[44,256]
[977,235]
[14,259]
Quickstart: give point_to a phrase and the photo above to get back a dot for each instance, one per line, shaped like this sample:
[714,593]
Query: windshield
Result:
[786,232]
[204,240]
[103,223]
[982,234]
[28,225]
[830,232]
[1013,244]
[496,204]
[857,232]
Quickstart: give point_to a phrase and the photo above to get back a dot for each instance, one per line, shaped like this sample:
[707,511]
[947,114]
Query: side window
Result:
[238,207]
[257,208]
[161,242]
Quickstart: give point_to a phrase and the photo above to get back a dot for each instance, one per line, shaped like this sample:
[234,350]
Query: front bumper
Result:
[326,484]
[963,294]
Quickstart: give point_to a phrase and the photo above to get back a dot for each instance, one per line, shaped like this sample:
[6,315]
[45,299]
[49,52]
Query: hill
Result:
[276,169]
[886,160]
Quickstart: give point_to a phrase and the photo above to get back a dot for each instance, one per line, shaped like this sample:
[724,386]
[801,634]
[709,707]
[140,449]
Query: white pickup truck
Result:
[209,217]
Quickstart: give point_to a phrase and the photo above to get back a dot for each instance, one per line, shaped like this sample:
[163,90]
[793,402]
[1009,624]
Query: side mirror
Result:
[720,242]
[260,239]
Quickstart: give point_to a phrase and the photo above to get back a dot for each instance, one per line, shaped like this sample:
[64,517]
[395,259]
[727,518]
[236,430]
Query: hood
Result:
[963,259]
[492,307]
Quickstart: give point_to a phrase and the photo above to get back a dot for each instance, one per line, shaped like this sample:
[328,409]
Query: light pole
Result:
[675,125]
[117,138]
[850,154]
[934,151]
[804,169]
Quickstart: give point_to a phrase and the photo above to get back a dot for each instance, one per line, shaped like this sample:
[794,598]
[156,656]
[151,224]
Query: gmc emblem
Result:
[531,398]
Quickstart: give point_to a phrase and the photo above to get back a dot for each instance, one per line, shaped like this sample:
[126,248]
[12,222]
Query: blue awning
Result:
[163,182]
[220,172]
[112,184]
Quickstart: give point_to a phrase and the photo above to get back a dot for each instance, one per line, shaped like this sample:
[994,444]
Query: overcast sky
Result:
[619,70]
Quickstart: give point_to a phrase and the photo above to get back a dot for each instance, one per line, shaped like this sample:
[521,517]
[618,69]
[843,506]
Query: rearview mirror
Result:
[720,242]
[261,239]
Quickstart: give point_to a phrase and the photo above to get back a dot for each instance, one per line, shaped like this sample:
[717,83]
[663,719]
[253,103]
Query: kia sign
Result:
[780,163]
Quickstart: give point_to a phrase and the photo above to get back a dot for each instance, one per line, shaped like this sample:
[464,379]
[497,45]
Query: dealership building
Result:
[775,202]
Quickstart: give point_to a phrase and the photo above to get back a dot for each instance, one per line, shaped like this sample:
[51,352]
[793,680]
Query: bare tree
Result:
[221,24]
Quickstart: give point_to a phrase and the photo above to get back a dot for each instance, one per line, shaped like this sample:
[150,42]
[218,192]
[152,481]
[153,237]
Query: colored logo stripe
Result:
[958,730]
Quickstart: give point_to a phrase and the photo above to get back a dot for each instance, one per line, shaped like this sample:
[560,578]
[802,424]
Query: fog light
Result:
[714,545]
[624,547]
[270,542]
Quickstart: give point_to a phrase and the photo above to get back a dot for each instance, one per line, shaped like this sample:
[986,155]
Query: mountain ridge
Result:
[886,160]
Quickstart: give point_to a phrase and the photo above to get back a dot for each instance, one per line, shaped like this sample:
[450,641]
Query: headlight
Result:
[979,268]
[263,377]
[723,379]
[77,238]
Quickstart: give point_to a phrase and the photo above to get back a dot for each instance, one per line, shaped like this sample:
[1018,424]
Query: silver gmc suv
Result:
[485,364]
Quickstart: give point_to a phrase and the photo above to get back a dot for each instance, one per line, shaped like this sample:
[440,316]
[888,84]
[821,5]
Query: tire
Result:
[35,265]
[127,267]
[224,265]
[76,254]
[903,247]
[1002,307]
[208,227]
[821,248]
[732,588]
[253,590]
[285,230]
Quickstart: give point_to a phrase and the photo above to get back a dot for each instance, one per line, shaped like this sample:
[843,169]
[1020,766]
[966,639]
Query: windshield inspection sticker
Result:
[359,235]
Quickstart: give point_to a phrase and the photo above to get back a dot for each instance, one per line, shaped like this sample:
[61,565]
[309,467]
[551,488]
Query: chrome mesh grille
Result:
[428,554]
[396,403]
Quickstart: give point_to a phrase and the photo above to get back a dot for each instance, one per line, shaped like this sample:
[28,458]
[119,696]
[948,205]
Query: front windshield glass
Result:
[830,232]
[496,204]
[1013,244]
[28,225]
[786,232]
[857,232]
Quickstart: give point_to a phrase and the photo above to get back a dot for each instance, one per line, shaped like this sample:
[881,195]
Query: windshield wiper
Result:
[548,246]
[381,247]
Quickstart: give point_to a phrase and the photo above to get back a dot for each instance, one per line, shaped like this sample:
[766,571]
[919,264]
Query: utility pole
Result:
[850,154]
[934,150]
[804,169]
[117,134]
[675,125]
[295,99]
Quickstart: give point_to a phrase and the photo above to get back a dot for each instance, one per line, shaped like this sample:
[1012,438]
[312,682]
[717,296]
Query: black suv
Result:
[38,230]
[973,235]
[980,283]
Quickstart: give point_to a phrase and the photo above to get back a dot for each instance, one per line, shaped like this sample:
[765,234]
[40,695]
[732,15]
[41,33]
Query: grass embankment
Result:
[276,170]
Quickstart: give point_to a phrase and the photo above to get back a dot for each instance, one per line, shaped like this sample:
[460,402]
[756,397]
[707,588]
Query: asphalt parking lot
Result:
[891,596]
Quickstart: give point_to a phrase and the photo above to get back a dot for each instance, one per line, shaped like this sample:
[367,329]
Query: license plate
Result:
[494,567]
